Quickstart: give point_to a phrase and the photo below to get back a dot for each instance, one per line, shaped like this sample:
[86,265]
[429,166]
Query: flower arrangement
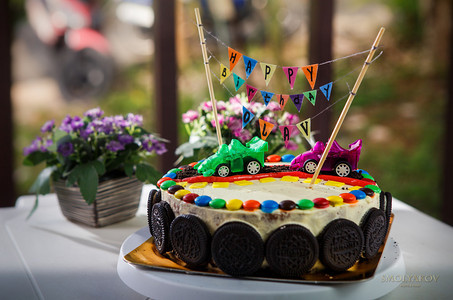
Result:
[200,126]
[86,150]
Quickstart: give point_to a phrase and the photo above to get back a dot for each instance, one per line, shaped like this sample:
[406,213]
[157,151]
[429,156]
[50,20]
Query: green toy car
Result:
[235,158]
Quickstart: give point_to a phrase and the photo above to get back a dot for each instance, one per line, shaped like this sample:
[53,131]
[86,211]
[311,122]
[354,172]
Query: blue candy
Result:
[362,171]
[268,206]
[202,200]
[358,194]
[287,158]
[171,175]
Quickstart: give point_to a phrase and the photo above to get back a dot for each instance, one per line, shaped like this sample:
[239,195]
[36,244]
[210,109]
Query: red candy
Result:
[193,164]
[348,198]
[274,158]
[321,203]
[251,205]
[189,198]
[163,179]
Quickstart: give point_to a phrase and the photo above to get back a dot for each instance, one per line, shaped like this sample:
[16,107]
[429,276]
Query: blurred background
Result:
[399,110]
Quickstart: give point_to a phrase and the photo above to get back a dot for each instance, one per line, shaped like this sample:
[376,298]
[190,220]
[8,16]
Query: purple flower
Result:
[66,124]
[94,113]
[65,149]
[38,144]
[114,146]
[159,148]
[106,125]
[150,143]
[135,120]
[85,133]
[125,139]
[221,119]
[48,126]
[234,123]
[76,123]
[189,116]
[290,119]
[242,135]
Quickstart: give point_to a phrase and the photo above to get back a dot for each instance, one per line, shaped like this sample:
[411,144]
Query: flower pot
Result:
[116,200]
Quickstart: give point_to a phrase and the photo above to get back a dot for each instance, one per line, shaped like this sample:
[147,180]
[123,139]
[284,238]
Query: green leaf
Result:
[99,166]
[88,182]
[42,182]
[35,158]
[145,172]
[129,169]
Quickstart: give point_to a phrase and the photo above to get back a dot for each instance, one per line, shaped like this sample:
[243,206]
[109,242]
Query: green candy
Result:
[305,204]
[368,176]
[166,184]
[217,203]
[375,188]
[175,170]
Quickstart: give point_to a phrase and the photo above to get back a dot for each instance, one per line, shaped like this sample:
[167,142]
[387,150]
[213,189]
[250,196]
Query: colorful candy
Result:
[166,184]
[251,205]
[189,198]
[202,200]
[287,205]
[268,206]
[358,194]
[321,202]
[305,204]
[217,203]
[287,158]
[234,204]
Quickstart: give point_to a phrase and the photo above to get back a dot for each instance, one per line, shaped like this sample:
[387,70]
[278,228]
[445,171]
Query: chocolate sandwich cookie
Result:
[291,250]
[161,218]
[237,249]
[191,240]
[374,230]
[341,244]
[388,209]
[151,202]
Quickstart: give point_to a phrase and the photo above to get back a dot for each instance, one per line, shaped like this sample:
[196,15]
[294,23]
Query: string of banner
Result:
[310,72]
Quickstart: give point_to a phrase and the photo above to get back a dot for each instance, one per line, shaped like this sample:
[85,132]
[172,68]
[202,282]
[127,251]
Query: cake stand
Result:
[158,284]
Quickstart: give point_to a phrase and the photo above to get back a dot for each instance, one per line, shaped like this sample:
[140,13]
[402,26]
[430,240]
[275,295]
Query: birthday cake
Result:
[242,212]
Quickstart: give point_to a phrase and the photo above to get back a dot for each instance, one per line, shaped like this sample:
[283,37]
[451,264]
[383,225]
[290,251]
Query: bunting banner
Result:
[311,72]
[250,64]
[265,128]
[286,131]
[268,71]
[282,99]
[267,96]
[297,100]
[224,73]
[251,91]
[233,57]
[311,96]
[247,116]
[327,90]
[305,127]
[290,73]
[238,81]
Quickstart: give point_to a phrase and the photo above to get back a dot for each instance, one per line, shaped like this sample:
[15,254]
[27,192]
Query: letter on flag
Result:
[286,132]
[224,73]
[247,116]
[282,99]
[251,91]
[267,96]
[290,73]
[250,64]
[305,127]
[326,90]
[311,96]
[238,81]
[268,71]
[233,57]
[311,72]
[297,100]
[265,129]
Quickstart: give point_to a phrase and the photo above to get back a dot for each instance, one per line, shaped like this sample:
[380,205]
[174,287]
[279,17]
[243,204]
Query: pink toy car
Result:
[341,161]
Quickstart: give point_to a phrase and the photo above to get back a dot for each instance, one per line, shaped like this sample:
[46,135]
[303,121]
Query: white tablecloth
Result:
[48,257]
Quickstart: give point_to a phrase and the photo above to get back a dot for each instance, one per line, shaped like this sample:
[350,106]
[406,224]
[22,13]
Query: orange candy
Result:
[348,198]
[251,205]
[274,158]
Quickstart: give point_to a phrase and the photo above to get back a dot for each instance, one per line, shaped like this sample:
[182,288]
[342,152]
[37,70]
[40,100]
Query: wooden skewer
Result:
[347,105]
[208,74]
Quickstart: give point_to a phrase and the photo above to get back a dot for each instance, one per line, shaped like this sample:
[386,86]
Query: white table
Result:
[48,257]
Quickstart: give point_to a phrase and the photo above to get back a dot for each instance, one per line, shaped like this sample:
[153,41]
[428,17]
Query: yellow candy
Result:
[353,188]
[220,185]
[334,183]
[267,179]
[290,178]
[179,194]
[335,200]
[234,204]
[182,183]
[308,180]
[243,182]
[198,185]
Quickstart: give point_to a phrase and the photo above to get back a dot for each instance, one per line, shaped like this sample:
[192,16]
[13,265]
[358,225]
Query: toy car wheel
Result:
[253,167]
[310,166]
[223,170]
[342,169]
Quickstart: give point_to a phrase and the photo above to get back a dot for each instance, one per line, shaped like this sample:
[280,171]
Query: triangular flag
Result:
[238,81]
[311,96]
[282,99]
[267,96]
[286,132]
[326,90]
[265,129]
[290,73]
[251,91]
[250,64]
[268,71]
[305,127]
[297,100]
[224,73]
[247,116]
[311,72]
[233,57]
